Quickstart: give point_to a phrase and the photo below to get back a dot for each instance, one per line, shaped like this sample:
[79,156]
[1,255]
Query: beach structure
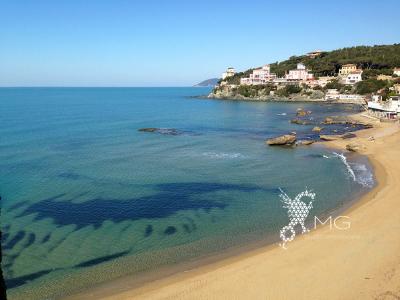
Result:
[261,75]
[389,109]
[396,71]
[300,73]
[228,73]
[347,69]
[332,94]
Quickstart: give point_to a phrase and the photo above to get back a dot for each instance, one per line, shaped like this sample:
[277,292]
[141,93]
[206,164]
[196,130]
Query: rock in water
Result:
[302,113]
[300,122]
[305,142]
[287,139]
[317,129]
[167,131]
[332,137]
[149,129]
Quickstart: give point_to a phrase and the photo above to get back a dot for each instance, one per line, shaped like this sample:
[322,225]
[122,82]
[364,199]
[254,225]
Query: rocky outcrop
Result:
[341,121]
[287,139]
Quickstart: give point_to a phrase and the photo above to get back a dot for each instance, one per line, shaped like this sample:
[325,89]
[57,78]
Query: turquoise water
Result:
[86,197]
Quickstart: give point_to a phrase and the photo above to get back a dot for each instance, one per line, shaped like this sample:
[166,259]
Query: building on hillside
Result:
[384,77]
[353,77]
[396,71]
[314,54]
[347,69]
[389,109]
[261,75]
[228,73]
[301,73]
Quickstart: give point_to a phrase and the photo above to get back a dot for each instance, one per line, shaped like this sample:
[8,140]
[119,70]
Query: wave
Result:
[282,114]
[222,155]
[359,172]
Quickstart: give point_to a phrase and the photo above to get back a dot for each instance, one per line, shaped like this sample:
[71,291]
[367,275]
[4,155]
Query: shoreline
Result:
[290,99]
[233,271]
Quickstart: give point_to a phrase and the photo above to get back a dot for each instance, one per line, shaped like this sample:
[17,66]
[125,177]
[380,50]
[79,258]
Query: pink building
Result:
[301,73]
[261,75]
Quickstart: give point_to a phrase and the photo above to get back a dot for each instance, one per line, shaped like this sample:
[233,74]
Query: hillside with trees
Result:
[373,60]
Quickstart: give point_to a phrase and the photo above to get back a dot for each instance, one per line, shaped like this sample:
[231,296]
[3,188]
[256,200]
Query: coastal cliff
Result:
[262,93]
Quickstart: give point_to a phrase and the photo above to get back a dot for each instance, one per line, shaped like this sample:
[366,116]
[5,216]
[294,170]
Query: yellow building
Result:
[347,69]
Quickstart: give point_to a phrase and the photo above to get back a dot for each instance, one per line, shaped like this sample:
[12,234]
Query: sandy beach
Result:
[361,262]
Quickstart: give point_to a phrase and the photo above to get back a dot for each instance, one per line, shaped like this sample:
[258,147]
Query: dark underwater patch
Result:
[69,175]
[169,199]
[149,231]
[101,259]
[46,238]
[170,230]
[31,240]
[17,238]
[18,281]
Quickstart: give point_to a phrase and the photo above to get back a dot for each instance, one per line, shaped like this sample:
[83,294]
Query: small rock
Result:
[286,139]
[371,138]
[353,147]
[317,129]
[329,137]
[305,142]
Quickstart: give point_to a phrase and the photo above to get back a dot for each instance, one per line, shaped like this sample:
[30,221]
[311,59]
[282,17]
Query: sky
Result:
[174,42]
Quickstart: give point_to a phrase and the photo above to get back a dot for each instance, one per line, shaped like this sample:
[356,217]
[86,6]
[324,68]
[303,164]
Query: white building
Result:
[301,73]
[261,75]
[353,77]
[229,73]
[396,71]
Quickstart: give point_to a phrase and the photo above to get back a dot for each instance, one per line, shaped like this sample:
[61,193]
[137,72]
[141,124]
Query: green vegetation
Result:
[334,84]
[288,90]
[382,58]
[254,90]
[370,86]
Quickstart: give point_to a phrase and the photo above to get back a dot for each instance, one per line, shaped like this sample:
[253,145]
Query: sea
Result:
[87,198]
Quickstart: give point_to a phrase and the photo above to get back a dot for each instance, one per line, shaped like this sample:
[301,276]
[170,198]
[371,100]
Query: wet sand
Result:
[361,262]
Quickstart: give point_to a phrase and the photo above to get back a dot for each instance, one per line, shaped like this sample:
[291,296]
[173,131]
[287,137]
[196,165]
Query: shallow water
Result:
[86,197]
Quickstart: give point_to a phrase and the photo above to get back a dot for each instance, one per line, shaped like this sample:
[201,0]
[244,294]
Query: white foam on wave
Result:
[282,114]
[344,160]
[223,155]
[359,172]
